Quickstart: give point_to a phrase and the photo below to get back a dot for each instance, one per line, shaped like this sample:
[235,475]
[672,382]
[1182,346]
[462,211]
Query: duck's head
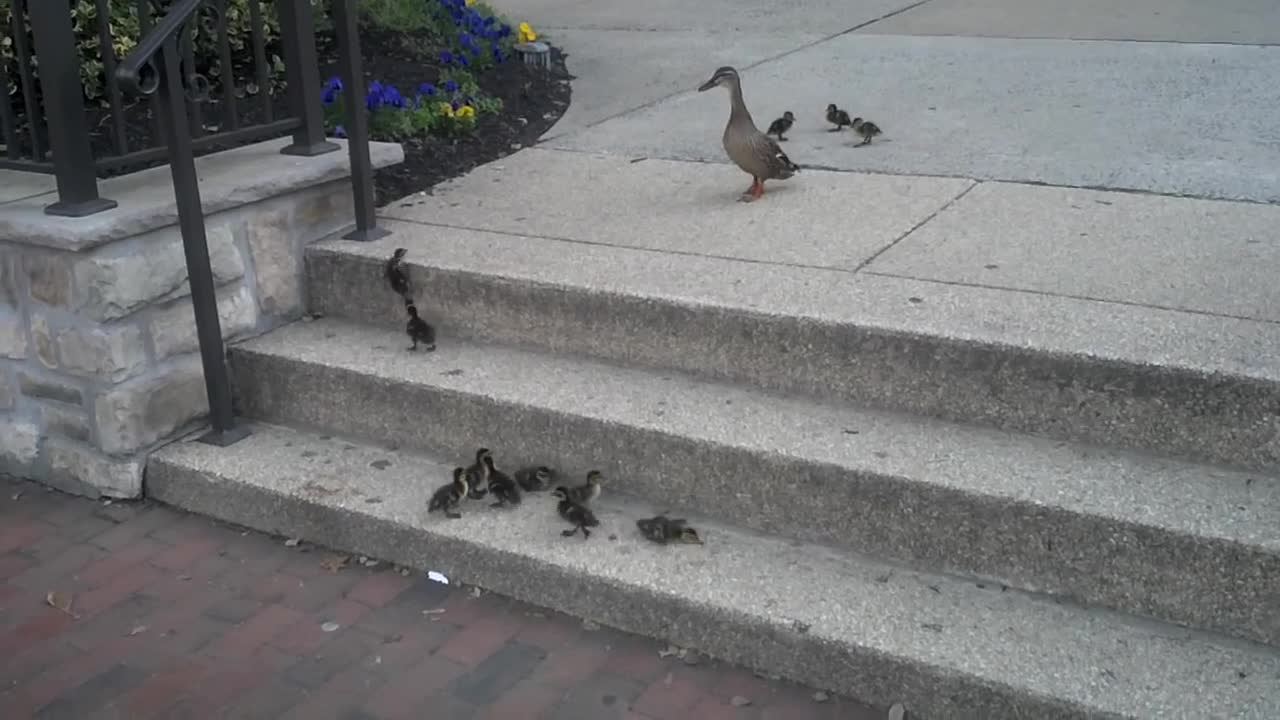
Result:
[831,108]
[399,253]
[788,116]
[594,477]
[723,77]
[460,479]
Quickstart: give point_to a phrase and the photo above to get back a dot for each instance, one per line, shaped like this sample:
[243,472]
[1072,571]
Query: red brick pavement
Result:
[176,616]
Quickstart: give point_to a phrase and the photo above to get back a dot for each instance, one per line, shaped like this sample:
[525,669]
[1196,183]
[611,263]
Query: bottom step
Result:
[944,647]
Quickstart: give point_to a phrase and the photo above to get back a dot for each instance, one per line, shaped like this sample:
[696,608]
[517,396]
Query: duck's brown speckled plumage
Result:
[753,151]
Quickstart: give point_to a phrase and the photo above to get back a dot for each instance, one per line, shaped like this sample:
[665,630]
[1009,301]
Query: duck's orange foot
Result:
[754,192]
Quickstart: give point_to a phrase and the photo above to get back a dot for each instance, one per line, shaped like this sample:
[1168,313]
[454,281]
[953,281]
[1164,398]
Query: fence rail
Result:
[118,131]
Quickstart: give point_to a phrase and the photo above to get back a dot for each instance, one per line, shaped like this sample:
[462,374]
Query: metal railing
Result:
[52,134]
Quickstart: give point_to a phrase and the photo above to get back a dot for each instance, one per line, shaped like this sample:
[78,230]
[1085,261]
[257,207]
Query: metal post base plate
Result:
[226,438]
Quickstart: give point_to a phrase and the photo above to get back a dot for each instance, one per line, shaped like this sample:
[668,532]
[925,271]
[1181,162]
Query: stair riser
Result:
[854,670]
[1186,579]
[1217,419]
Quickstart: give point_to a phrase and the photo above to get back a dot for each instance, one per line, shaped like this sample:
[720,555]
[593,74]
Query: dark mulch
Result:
[533,100]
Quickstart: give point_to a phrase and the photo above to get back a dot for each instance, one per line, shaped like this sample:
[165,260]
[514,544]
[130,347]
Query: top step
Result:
[736,293]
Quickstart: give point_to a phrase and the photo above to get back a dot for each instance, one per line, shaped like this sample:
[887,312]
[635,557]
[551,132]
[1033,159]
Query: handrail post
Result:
[357,125]
[73,164]
[186,189]
[302,73]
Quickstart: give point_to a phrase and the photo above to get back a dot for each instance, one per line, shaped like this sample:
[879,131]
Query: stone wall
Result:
[99,362]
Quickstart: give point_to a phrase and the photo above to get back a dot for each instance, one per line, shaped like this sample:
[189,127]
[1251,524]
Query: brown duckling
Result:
[837,117]
[535,479]
[478,475]
[866,129]
[579,515]
[501,486]
[419,330]
[664,530]
[588,491]
[781,125]
[397,278]
[450,496]
[754,152]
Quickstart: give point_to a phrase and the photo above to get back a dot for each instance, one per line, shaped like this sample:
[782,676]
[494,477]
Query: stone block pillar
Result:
[99,362]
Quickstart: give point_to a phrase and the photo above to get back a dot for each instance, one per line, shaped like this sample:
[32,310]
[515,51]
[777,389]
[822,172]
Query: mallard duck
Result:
[397,278]
[419,330]
[501,486]
[866,129]
[576,513]
[588,491]
[837,117]
[478,475]
[781,125]
[748,148]
[535,479]
[662,529]
[448,497]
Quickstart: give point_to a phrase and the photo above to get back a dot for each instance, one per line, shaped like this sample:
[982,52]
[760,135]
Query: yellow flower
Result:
[526,33]
[445,109]
[471,2]
[466,111]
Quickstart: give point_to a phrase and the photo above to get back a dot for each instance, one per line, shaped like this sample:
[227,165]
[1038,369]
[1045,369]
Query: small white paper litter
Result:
[897,712]
[330,626]
[437,577]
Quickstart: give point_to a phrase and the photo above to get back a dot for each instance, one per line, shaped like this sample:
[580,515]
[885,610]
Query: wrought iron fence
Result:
[46,94]
[61,58]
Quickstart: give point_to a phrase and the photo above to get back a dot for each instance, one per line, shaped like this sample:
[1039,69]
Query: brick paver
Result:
[177,616]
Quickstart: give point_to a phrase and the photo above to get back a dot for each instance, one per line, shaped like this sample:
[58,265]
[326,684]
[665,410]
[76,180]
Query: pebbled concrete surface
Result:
[616,71]
[1198,255]
[686,207]
[801,610]
[1146,536]
[1226,21]
[1179,383]
[1169,118]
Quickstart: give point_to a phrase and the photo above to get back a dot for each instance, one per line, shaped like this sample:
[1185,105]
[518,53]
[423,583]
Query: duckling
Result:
[837,117]
[419,330]
[587,492]
[535,479]
[576,513]
[448,497]
[748,148]
[781,125]
[662,529]
[866,129]
[397,278]
[501,486]
[478,475]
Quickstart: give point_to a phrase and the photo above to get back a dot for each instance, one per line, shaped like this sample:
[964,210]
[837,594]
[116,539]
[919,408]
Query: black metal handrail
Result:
[161,67]
[141,75]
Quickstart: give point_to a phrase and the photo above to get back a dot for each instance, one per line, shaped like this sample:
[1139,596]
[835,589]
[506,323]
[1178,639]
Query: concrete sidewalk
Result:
[1140,276]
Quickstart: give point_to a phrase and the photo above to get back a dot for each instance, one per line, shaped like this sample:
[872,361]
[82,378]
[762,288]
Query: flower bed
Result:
[441,75]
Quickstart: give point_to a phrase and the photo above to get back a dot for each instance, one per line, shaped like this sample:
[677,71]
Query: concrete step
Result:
[1178,383]
[1181,542]
[947,648]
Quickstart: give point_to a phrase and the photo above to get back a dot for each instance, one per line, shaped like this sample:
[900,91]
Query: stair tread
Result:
[1097,330]
[1102,662]
[1170,494]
